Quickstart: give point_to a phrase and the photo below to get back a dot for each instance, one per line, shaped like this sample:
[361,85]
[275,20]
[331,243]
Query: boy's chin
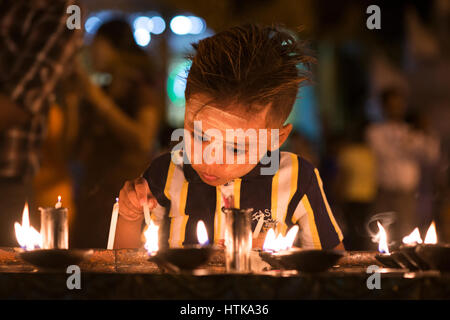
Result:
[214,182]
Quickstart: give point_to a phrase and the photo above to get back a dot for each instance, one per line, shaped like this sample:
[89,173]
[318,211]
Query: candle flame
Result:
[413,237]
[291,236]
[58,204]
[151,238]
[269,241]
[382,239]
[431,236]
[202,234]
[27,236]
[279,242]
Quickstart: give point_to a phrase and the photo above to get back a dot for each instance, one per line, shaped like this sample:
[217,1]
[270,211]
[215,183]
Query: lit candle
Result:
[112,228]
[147,214]
[58,204]
[202,234]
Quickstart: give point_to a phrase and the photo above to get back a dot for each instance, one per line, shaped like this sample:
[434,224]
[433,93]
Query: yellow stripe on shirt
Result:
[312,222]
[237,193]
[169,180]
[183,198]
[330,214]
[218,216]
[274,199]
[294,181]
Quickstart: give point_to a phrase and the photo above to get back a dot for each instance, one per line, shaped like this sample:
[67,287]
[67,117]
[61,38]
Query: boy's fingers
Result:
[142,190]
[151,202]
[130,193]
[126,207]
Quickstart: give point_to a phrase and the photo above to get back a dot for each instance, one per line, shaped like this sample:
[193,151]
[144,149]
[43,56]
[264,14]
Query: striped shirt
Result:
[35,45]
[293,195]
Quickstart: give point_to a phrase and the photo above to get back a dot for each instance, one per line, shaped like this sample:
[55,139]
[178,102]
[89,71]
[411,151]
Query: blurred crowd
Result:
[96,117]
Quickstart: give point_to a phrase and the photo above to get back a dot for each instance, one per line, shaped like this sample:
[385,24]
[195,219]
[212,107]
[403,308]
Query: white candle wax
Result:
[112,228]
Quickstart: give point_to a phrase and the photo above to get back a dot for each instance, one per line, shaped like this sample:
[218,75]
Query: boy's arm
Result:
[150,188]
[318,227]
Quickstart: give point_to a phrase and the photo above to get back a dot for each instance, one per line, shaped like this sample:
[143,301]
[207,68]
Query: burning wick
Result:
[413,237]
[275,243]
[431,236]
[202,234]
[151,238]
[58,204]
[382,239]
[27,236]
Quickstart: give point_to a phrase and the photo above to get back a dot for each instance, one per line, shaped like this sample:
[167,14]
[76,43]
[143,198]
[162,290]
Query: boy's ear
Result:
[283,135]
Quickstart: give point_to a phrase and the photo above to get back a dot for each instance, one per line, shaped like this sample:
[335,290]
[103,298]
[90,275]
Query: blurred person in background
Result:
[427,192]
[36,46]
[113,126]
[400,151]
[356,186]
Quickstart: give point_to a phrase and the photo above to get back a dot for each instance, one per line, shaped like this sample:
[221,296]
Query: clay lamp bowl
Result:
[187,258]
[272,259]
[409,252]
[396,260]
[306,260]
[387,260]
[55,259]
[435,255]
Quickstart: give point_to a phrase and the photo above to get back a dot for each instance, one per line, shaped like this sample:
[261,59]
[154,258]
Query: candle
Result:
[58,204]
[112,228]
[258,226]
[147,214]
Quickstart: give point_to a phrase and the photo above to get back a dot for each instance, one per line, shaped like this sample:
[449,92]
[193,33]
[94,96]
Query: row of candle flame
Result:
[272,242]
[29,238]
[413,238]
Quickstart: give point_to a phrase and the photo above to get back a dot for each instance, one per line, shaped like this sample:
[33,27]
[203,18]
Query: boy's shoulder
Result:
[296,163]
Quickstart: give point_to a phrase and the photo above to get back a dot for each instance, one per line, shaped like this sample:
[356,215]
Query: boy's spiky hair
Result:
[250,65]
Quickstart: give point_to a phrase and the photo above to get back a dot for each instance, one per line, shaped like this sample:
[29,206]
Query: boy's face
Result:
[201,119]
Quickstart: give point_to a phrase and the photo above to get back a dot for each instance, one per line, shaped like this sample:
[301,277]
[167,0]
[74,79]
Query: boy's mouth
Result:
[208,177]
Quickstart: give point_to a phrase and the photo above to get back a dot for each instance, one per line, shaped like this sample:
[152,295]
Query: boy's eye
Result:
[235,150]
[198,137]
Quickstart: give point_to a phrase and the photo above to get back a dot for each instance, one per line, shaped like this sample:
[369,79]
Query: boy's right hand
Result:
[133,195]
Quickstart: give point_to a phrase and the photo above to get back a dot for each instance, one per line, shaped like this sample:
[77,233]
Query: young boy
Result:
[243,80]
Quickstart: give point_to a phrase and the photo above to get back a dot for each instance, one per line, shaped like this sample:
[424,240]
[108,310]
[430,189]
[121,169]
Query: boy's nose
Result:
[209,154]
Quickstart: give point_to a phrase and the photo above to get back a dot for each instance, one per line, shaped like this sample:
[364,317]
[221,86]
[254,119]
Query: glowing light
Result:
[382,239]
[91,24]
[142,37]
[290,236]
[180,25]
[279,242]
[431,237]
[158,25]
[197,25]
[27,237]
[202,234]
[151,238]
[269,241]
[143,22]
[413,237]
[58,204]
